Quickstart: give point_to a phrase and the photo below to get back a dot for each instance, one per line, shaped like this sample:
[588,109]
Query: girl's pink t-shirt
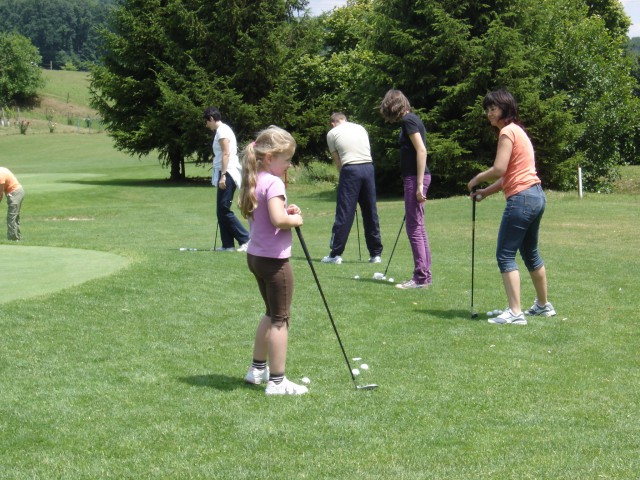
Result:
[267,240]
[521,171]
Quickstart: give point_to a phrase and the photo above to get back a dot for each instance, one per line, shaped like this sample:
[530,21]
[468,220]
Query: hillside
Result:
[62,105]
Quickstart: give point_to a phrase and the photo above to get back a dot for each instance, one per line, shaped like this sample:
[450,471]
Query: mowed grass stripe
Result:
[34,271]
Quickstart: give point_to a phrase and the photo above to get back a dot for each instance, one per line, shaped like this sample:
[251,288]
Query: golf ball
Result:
[391,280]
[355,371]
[364,366]
[183,249]
[497,312]
[489,313]
[355,359]
[378,276]
[357,277]
[306,380]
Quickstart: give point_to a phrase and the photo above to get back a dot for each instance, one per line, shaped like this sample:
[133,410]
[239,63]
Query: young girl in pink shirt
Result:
[263,201]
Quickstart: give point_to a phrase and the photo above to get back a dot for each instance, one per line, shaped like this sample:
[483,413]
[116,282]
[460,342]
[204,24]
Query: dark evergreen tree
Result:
[166,60]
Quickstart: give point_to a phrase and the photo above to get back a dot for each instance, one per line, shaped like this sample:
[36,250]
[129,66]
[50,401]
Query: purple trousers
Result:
[416,231]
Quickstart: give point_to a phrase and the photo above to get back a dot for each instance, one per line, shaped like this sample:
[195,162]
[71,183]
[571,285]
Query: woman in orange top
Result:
[10,186]
[515,170]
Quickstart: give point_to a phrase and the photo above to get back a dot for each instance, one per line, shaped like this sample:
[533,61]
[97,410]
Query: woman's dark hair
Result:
[505,101]
[394,105]
[212,112]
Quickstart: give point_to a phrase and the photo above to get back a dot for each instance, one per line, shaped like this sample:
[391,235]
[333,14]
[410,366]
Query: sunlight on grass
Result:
[44,270]
[139,373]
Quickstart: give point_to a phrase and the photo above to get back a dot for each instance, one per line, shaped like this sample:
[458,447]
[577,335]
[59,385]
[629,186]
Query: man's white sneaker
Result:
[508,317]
[256,376]
[243,247]
[545,311]
[329,259]
[375,259]
[286,387]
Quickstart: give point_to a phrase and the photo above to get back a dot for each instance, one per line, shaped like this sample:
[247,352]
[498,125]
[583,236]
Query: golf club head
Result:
[371,386]
[474,315]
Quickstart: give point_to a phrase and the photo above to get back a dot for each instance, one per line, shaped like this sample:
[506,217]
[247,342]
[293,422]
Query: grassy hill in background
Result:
[63,103]
[66,89]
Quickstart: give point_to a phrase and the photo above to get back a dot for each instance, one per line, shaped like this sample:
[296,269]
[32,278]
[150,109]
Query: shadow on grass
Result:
[451,314]
[223,383]
[151,182]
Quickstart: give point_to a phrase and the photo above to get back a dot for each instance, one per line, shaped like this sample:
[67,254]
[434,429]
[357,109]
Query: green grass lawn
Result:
[138,374]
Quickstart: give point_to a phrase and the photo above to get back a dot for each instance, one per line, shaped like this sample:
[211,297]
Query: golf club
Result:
[384,275]
[315,276]
[474,313]
[215,240]
[358,230]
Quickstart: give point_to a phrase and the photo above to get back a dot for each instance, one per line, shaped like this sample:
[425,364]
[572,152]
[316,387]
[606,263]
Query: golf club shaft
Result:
[394,245]
[326,305]
[473,244]
[358,230]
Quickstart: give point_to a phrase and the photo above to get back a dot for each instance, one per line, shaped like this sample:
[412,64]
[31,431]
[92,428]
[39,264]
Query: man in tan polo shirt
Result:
[349,147]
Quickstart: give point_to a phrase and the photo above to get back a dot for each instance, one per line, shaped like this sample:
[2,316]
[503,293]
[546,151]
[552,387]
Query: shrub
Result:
[24,126]
[315,172]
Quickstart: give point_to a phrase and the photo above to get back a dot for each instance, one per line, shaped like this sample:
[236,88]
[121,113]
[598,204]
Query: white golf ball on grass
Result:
[306,380]
[391,280]
[378,276]
[356,277]
[364,366]
[355,371]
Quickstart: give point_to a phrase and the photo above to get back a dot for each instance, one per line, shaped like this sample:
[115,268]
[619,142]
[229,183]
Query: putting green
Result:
[31,271]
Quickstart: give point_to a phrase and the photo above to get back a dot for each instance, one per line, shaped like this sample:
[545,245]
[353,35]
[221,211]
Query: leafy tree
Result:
[563,62]
[20,76]
[64,31]
[633,51]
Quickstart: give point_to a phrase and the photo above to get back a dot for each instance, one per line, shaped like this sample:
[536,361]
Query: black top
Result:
[410,124]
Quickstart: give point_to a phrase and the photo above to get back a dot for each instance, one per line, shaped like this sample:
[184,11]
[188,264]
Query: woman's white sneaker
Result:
[545,311]
[508,317]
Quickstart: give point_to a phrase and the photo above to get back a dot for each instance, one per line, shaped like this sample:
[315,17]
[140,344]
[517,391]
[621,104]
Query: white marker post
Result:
[580,180]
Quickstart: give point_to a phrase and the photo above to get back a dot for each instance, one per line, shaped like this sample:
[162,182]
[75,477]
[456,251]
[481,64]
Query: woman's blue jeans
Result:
[519,230]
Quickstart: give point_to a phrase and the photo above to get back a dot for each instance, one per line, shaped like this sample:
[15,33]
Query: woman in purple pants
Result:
[396,108]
